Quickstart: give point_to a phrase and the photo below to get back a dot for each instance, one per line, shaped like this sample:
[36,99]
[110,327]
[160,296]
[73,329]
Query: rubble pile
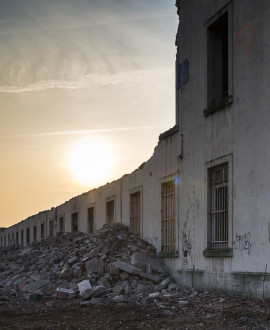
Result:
[111,265]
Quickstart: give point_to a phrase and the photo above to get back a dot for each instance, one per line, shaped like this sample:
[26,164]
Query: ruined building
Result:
[203,197]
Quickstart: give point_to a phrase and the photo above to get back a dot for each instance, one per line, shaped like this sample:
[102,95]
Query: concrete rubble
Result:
[113,265]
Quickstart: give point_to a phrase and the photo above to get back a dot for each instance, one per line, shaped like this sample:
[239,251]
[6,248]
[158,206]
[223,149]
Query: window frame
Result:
[109,200]
[210,22]
[89,206]
[209,168]
[173,253]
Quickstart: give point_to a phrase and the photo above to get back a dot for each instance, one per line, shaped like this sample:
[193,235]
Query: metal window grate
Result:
[168,230]
[219,208]
[135,217]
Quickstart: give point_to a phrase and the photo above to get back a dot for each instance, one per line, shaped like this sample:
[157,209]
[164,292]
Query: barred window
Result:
[135,213]
[219,207]
[168,230]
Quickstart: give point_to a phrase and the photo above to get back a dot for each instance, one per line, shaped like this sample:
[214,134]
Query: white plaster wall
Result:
[242,130]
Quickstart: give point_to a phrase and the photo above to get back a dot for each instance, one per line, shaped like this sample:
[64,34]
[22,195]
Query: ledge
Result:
[219,106]
[168,133]
[168,254]
[218,253]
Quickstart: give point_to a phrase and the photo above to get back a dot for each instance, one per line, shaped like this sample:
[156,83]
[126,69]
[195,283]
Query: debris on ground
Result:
[111,280]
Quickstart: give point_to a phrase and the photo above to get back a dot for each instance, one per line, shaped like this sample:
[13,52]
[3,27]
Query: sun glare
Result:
[91,161]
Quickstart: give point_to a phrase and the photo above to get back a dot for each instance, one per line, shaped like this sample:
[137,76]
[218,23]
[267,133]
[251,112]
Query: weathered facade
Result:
[202,198]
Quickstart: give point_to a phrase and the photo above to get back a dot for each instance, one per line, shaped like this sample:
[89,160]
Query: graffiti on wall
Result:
[243,242]
[245,40]
[186,237]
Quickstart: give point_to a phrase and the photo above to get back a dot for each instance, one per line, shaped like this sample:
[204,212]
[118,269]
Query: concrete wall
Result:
[238,133]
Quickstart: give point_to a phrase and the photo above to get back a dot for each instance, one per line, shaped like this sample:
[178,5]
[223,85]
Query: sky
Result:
[86,87]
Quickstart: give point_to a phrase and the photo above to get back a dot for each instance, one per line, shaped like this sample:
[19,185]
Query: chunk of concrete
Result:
[154,295]
[126,267]
[98,291]
[44,286]
[85,289]
[154,278]
[92,266]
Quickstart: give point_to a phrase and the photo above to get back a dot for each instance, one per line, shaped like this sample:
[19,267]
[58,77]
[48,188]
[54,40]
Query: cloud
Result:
[82,132]
[133,77]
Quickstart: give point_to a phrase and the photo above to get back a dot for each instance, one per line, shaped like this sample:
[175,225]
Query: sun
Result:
[91,161]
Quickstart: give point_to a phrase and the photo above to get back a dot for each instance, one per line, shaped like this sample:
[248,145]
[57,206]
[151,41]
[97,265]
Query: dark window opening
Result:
[35,233]
[135,212]
[217,66]
[90,224]
[17,238]
[22,241]
[42,232]
[75,221]
[51,229]
[110,211]
[27,235]
[61,224]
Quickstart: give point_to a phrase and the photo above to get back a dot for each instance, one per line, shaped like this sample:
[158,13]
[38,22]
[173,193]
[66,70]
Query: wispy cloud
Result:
[86,81]
[82,132]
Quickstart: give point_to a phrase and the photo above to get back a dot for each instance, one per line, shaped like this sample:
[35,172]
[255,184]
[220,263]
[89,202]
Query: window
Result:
[168,230]
[110,211]
[17,238]
[27,235]
[51,229]
[42,231]
[22,242]
[61,224]
[218,211]
[5,241]
[90,223]
[219,61]
[35,233]
[75,221]
[135,217]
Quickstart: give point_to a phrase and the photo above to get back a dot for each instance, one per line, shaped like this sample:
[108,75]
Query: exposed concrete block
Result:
[44,286]
[98,291]
[154,295]
[165,283]
[85,289]
[92,266]
[154,278]
[126,267]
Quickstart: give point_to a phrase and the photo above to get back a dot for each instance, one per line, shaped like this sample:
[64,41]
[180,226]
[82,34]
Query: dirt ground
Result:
[201,312]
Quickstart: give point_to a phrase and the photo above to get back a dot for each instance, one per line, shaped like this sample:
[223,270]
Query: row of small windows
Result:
[218,219]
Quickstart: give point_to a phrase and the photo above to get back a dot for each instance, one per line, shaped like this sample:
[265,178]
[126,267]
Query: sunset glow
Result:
[91,161]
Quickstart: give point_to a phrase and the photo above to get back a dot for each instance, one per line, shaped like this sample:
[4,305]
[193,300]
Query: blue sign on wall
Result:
[182,74]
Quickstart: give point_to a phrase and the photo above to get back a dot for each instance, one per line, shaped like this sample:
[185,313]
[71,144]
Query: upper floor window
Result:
[219,61]
[217,68]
